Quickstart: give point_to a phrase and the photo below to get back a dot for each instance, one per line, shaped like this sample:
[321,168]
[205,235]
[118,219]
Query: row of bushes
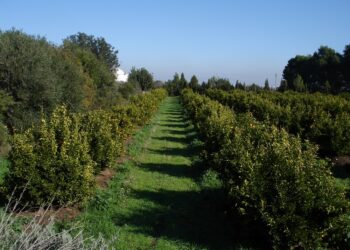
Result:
[322,119]
[56,160]
[272,176]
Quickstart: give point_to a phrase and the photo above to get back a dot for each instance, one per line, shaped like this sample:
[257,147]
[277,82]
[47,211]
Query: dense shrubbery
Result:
[57,158]
[323,119]
[51,161]
[272,176]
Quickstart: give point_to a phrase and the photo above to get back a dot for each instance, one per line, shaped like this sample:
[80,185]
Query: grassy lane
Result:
[156,201]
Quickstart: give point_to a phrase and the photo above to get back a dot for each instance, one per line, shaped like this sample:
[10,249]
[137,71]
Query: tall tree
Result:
[194,84]
[283,86]
[298,84]
[97,45]
[346,68]
[266,84]
[28,74]
[322,71]
[239,85]
[221,83]
[183,81]
[142,77]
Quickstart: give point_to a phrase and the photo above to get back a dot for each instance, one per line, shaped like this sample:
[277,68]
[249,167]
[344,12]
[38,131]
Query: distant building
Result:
[120,75]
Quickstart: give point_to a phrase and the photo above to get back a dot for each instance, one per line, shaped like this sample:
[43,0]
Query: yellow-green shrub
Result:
[273,177]
[103,137]
[315,117]
[57,158]
[51,161]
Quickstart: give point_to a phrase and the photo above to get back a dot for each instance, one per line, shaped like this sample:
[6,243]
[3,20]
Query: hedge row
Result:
[58,158]
[272,176]
[322,119]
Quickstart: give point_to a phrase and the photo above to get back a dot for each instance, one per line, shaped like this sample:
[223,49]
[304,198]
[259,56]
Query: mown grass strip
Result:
[159,199]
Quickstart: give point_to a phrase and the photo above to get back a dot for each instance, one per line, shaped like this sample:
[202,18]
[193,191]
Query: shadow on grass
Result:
[171,152]
[341,172]
[175,132]
[179,125]
[174,120]
[171,139]
[175,170]
[194,217]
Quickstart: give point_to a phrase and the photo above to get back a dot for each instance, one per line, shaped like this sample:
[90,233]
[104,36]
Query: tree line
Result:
[324,71]
[179,82]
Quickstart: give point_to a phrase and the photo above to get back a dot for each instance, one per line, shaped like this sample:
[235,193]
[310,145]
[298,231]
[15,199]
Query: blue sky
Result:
[245,40]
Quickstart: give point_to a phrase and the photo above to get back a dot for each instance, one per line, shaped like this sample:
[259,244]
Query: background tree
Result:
[193,84]
[323,71]
[221,83]
[99,82]
[183,81]
[283,86]
[239,85]
[28,74]
[266,84]
[98,46]
[346,68]
[39,76]
[298,84]
[142,77]
[253,87]
[5,102]
[174,86]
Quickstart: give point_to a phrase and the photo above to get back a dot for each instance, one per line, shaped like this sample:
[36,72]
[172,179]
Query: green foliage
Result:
[128,89]
[283,86]
[3,169]
[266,85]
[194,84]
[103,138]
[183,81]
[58,157]
[298,84]
[5,102]
[4,137]
[174,86]
[27,74]
[105,52]
[100,86]
[142,77]
[38,76]
[51,161]
[220,83]
[323,119]
[324,71]
[272,176]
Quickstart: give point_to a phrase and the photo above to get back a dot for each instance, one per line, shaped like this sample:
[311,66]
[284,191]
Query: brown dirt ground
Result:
[342,161]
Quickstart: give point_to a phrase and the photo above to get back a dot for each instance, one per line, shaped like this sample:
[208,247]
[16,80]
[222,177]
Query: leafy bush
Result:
[314,117]
[272,176]
[103,137]
[57,158]
[51,161]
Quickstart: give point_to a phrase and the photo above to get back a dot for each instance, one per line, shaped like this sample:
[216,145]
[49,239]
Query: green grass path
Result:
[161,205]
[163,209]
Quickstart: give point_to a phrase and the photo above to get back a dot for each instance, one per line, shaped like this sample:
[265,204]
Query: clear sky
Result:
[235,39]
